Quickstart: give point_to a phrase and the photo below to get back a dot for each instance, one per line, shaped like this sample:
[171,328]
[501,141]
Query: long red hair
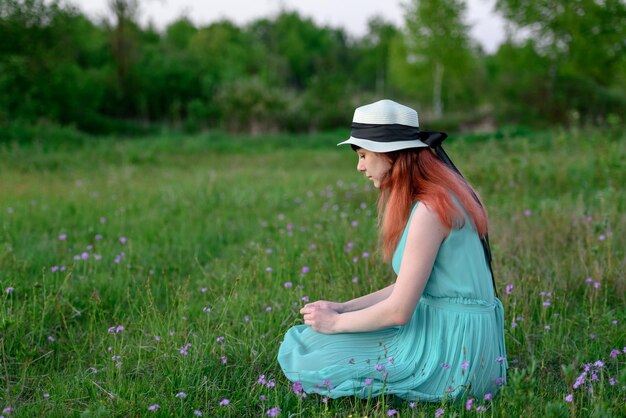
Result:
[418,174]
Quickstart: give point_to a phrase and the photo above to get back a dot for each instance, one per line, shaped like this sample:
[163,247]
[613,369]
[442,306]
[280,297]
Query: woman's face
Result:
[374,165]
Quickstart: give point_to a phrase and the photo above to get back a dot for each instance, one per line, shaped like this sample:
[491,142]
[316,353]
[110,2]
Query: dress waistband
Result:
[460,304]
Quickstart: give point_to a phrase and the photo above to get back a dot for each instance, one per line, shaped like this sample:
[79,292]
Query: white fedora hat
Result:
[385,126]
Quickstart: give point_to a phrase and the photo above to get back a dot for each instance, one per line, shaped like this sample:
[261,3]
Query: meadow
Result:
[157,276]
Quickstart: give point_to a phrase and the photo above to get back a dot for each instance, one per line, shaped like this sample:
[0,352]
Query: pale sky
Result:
[352,15]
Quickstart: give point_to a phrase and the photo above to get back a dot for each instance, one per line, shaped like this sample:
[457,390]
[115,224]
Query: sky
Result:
[486,27]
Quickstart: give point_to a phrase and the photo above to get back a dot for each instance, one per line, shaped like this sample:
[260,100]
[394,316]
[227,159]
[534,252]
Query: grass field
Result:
[156,277]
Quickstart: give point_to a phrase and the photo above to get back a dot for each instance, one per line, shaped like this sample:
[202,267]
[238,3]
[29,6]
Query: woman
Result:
[437,332]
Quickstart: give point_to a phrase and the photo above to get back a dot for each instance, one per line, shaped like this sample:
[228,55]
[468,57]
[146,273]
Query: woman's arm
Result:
[425,235]
[354,304]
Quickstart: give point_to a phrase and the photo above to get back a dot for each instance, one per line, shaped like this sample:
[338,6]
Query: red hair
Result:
[417,174]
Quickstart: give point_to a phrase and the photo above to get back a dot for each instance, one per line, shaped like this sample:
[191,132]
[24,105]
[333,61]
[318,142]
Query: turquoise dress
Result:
[453,345]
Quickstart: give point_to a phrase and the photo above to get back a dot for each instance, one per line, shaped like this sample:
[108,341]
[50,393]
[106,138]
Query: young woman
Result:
[437,332]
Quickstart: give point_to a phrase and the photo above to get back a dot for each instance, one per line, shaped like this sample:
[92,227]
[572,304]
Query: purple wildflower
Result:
[270,383]
[123,240]
[154,407]
[368,381]
[305,298]
[379,367]
[261,380]
[288,284]
[197,413]
[488,396]
[224,359]
[181,395]
[569,397]
[508,289]
[468,404]
[224,402]
[614,353]
[272,412]
[355,280]
[439,412]
[9,289]
[465,365]
[391,412]
[305,269]
[62,237]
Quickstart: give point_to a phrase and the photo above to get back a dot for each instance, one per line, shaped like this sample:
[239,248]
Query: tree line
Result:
[286,73]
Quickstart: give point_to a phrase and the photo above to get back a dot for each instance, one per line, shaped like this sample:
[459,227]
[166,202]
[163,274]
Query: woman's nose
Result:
[360,167]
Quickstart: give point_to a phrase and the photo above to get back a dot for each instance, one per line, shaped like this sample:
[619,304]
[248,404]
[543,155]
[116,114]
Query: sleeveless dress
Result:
[453,345]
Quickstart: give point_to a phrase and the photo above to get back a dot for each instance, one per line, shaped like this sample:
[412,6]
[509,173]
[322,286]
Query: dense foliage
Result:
[286,73]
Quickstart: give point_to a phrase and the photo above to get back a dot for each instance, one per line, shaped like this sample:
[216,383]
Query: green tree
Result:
[439,47]
[584,42]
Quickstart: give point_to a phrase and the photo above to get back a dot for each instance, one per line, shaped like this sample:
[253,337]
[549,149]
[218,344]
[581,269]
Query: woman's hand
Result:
[324,304]
[321,319]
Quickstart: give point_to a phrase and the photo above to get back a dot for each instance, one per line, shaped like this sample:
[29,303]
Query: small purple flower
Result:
[355,280]
[546,302]
[602,237]
[366,255]
[288,284]
[499,381]
[391,412]
[270,383]
[197,413]
[157,338]
[488,396]
[51,338]
[614,353]
[182,395]
[224,402]
[368,381]
[224,359]
[46,395]
[206,309]
[62,237]
[261,380]
[8,410]
[9,289]
[508,289]
[54,268]
[379,367]
[305,270]
[500,359]
[203,289]
[588,280]
[439,412]
[481,408]
[527,212]
[123,240]
[596,285]
[468,404]
[262,397]
[355,259]
[297,387]
[272,412]
[569,397]
[411,405]
[355,224]
[98,237]
[599,364]
[268,269]
[465,365]
[305,298]
[612,381]
[154,407]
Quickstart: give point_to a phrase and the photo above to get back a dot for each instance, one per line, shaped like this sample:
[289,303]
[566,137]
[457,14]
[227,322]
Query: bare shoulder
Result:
[425,224]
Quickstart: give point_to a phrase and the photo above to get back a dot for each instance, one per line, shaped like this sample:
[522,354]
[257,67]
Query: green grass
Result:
[215,225]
